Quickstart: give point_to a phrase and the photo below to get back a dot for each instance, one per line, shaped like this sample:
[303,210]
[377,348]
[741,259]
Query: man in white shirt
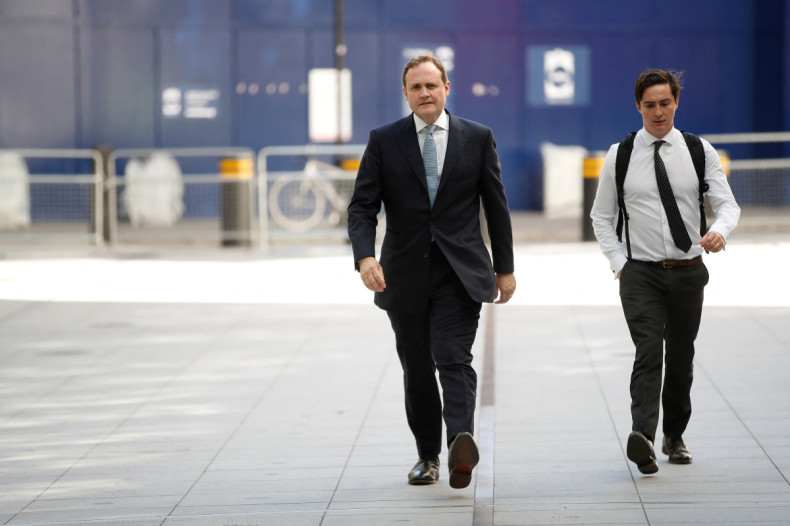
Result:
[659,261]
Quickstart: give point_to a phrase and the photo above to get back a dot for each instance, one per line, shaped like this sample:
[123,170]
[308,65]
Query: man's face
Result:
[658,110]
[425,91]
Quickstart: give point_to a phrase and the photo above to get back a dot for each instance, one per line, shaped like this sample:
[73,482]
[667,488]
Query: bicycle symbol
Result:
[298,202]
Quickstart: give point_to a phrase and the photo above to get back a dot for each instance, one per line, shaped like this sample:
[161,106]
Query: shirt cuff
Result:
[617,265]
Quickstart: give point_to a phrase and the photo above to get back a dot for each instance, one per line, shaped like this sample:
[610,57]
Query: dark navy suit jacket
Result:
[392,173]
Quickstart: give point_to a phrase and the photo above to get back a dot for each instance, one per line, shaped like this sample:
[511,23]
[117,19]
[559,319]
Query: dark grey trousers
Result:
[663,308]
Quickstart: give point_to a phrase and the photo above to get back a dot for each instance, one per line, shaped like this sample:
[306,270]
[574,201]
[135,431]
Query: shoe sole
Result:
[640,453]
[422,482]
[464,456]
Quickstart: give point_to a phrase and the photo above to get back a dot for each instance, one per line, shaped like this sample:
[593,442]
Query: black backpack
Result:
[697,152]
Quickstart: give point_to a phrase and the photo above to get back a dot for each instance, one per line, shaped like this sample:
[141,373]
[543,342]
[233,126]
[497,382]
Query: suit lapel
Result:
[455,148]
[407,140]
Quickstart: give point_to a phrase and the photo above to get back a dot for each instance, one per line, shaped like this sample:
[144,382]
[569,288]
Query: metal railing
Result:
[761,183]
[761,186]
[307,202]
[66,227]
[741,138]
[221,194]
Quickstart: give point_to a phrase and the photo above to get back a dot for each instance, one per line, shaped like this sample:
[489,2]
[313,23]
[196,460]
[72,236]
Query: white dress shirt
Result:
[440,136]
[649,234]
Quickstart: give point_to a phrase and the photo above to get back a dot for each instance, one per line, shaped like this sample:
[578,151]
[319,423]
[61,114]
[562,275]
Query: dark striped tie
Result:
[679,233]
[431,163]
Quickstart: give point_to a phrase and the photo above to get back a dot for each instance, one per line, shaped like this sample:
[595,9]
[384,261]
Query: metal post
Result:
[100,212]
[263,200]
[340,63]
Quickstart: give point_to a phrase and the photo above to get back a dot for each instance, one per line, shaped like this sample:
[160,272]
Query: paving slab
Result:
[247,387]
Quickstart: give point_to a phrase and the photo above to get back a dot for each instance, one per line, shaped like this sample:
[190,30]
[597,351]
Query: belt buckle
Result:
[667,263]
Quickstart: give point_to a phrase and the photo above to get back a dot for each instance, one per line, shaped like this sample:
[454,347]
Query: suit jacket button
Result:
[425,255]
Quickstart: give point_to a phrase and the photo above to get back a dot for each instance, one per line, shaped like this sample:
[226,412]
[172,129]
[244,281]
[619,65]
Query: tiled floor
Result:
[208,389]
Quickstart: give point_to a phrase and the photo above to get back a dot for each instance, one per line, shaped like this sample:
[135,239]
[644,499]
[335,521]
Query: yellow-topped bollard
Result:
[724,157]
[350,164]
[591,171]
[235,168]
[236,201]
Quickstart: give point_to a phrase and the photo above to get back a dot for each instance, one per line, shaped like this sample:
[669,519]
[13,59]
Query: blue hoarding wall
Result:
[150,73]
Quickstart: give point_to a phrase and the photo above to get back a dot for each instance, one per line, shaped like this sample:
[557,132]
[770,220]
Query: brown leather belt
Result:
[672,263]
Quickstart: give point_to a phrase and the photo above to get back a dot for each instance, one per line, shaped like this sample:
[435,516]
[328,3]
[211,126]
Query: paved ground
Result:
[261,388]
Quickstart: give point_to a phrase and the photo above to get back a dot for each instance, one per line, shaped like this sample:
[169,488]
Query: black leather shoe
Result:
[640,451]
[462,459]
[677,450]
[424,472]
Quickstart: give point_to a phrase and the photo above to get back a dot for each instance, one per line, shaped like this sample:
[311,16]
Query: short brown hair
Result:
[416,61]
[653,77]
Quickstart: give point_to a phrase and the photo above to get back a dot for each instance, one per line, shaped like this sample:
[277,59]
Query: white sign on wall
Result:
[329,105]
[559,81]
[558,76]
[190,102]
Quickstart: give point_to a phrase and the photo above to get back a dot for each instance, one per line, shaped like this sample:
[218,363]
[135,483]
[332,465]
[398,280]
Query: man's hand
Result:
[712,242]
[372,274]
[505,286]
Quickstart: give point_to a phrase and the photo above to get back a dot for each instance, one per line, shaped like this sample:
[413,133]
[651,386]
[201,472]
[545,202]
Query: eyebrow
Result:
[417,84]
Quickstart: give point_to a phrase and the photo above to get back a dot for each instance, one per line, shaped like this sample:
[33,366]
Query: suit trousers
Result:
[662,306]
[440,338]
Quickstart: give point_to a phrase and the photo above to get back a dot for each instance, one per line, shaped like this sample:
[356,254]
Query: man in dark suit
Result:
[431,171]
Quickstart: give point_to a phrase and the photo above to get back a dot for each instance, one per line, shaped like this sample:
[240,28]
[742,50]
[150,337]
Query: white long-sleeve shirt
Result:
[649,234]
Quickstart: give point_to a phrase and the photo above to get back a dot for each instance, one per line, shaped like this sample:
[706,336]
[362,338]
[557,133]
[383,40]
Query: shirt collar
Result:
[649,139]
[442,123]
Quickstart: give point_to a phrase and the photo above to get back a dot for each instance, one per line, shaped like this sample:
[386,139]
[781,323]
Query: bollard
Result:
[105,150]
[724,157]
[345,187]
[350,164]
[236,205]
[591,171]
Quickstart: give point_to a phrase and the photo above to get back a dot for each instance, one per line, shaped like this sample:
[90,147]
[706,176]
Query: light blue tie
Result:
[431,163]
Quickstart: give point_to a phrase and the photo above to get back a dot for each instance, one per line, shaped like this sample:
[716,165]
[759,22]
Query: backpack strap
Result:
[697,151]
[620,169]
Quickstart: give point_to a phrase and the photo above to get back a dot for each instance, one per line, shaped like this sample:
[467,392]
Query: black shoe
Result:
[462,459]
[677,450]
[640,451]
[424,472]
